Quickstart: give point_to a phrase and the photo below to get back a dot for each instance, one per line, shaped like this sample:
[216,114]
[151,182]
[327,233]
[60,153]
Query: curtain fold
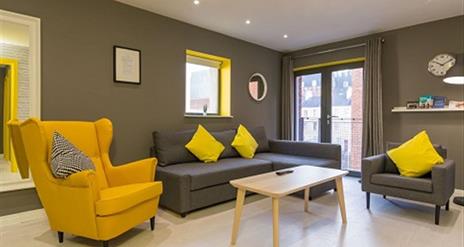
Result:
[373,142]
[287,124]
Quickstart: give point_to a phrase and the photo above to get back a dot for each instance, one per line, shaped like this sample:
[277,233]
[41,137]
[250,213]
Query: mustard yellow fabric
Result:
[416,157]
[244,143]
[71,204]
[204,146]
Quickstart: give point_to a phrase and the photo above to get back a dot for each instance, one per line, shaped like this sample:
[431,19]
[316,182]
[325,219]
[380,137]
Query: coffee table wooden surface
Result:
[274,186]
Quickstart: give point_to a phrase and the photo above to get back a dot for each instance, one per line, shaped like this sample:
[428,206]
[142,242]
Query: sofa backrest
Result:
[169,147]
[390,166]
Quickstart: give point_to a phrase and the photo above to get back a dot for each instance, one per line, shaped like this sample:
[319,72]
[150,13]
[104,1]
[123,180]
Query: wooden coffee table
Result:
[274,186]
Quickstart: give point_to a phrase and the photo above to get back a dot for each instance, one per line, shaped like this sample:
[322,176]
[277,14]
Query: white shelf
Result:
[446,109]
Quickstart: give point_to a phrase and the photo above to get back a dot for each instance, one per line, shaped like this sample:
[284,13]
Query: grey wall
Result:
[406,53]
[77,68]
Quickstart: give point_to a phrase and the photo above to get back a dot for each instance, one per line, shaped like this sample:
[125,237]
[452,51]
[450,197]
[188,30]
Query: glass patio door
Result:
[329,109]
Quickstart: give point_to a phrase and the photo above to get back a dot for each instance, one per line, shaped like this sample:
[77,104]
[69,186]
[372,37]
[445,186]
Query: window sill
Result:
[207,116]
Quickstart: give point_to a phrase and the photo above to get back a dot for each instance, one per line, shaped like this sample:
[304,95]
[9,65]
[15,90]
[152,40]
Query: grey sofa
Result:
[189,184]
[380,176]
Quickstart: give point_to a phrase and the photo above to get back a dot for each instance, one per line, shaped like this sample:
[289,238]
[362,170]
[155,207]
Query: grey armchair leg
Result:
[437,215]
[368,200]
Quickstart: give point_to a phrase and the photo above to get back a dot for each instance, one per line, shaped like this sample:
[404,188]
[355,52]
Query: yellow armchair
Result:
[100,204]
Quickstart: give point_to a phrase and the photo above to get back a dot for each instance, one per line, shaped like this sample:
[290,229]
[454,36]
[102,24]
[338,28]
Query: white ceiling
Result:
[307,22]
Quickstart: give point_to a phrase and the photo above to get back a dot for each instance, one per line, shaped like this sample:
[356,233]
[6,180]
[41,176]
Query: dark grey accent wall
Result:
[77,68]
[406,53]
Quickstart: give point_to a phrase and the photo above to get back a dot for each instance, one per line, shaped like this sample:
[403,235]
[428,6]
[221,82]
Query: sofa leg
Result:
[105,243]
[368,200]
[335,189]
[384,197]
[437,215]
[183,215]
[152,223]
[447,206]
[60,237]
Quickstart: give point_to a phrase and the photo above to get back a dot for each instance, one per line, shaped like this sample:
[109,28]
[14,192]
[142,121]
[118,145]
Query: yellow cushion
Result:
[415,157]
[244,143]
[117,199]
[204,146]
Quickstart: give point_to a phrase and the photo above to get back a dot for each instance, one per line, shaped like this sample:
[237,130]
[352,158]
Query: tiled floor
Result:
[392,222]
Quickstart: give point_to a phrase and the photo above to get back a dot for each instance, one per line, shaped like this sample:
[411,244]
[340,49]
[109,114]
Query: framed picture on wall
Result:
[127,65]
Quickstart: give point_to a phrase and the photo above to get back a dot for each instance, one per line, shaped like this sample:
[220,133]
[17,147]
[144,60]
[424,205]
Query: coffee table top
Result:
[272,185]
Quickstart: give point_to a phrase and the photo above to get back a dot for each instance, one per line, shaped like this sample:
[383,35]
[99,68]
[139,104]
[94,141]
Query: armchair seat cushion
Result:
[409,183]
[117,199]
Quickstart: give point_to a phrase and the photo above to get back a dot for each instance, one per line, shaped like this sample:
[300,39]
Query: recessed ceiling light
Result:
[285,36]
[196,2]
[247,21]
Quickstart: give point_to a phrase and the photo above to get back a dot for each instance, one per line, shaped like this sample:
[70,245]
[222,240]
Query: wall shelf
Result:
[446,109]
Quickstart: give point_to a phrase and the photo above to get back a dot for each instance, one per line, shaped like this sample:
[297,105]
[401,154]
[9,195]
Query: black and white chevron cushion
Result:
[66,159]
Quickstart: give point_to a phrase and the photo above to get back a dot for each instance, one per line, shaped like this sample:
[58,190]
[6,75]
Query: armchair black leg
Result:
[152,223]
[447,206]
[105,243]
[437,215]
[60,237]
[368,200]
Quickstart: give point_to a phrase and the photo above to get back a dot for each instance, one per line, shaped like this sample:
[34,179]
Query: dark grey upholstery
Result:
[170,147]
[436,187]
[189,184]
[226,137]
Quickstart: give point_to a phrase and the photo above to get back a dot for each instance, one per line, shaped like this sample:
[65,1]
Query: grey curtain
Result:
[287,100]
[372,102]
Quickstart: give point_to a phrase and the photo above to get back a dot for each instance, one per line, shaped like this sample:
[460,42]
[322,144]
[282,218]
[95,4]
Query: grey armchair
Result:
[380,176]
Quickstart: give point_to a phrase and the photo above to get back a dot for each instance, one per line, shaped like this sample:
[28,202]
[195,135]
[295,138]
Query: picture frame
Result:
[127,65]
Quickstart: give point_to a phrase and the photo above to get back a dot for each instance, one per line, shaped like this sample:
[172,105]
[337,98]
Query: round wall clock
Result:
[440,64]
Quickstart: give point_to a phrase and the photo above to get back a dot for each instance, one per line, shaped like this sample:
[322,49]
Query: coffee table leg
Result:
[306,199]
[238,213]
[275,221]
[341,198]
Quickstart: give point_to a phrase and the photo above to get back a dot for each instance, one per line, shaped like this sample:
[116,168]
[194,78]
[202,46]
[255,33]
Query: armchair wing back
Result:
[98,204]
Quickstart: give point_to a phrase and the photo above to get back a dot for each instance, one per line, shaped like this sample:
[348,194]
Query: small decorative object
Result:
[456,104]
[205,110]
[257,87]
[127,64]
[426,101]
[412,105]
[440,64]
[439,102]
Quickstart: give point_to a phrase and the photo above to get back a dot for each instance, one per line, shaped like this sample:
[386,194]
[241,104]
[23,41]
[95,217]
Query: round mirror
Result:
[257,87]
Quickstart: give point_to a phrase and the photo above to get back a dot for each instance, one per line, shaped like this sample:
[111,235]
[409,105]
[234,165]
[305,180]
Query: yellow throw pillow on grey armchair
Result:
[204,146]
[415,157]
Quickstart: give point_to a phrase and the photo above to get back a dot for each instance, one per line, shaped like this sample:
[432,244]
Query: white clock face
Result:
[440,64]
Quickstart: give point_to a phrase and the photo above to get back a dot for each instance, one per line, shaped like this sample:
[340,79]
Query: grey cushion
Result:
[205,175]
[282,161]
[170,147]
[66,159]
[226,137]
[394,180]
[259,133]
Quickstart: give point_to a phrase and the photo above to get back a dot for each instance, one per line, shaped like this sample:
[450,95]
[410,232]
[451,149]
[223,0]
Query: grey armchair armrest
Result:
[443,180]
[318,150]
[371,165]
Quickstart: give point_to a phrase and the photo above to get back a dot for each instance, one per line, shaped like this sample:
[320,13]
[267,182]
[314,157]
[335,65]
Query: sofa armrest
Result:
[443,180]
[176,189]
[370,166]
[140,171]
[317,150]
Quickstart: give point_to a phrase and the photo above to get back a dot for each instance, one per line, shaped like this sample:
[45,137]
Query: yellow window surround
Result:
[225,79]
[328,64]
[10,107]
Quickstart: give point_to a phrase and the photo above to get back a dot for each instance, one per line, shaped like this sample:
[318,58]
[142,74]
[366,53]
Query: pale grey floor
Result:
[390,222]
